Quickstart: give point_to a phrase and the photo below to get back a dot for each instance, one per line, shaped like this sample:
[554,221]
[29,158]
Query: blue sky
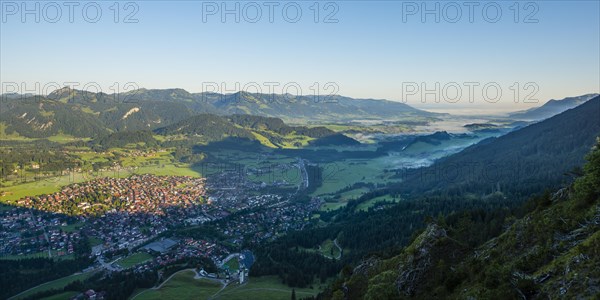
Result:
[370,52]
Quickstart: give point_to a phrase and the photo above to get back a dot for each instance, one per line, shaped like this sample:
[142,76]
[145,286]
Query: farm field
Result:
[342,173]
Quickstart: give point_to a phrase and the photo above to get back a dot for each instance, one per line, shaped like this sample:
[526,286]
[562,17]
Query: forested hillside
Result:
[271,132]
[38,117]
[551,252]
[79,114]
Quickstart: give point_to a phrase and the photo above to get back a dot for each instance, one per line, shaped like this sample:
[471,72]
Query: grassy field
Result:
[267,287]
[326,248]
[233,264]
[369,203]
[72,227]
[56,284]
[44,186]
[329,249]
[340,174]
[134,259]
[182,286]
[51,184]
[344,198]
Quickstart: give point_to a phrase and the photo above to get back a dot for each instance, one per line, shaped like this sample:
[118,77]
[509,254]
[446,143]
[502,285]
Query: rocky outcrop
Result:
[420,257]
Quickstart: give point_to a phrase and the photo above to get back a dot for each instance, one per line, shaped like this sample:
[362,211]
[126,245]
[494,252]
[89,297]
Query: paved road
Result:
[303,174]
[109,265]
[339,248]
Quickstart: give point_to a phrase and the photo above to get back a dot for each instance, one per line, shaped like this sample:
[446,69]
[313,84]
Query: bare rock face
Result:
[366,267]
[418,260]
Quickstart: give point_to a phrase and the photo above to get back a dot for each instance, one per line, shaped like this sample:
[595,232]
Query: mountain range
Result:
[97,114]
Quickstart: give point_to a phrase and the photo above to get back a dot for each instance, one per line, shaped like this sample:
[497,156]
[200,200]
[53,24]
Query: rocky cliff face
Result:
[419,259]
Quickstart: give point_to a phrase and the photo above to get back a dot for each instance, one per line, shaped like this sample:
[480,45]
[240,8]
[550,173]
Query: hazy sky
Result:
[374,49]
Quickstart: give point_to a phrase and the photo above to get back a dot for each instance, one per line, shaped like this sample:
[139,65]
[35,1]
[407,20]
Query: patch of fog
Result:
[452,125]
[403,160]
[409,162]
[478,111]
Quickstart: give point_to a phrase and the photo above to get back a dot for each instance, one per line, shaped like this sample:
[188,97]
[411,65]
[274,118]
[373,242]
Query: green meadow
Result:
[134,259]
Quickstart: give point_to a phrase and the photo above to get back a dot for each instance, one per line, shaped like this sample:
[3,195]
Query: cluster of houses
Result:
[273,219]
[135,194]
[132,213]
[24,233]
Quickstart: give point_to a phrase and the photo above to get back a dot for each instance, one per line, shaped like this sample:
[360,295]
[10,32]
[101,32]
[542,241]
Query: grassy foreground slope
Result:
[183,285]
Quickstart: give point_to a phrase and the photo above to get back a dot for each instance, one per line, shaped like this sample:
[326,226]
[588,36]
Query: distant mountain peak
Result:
[551,108]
